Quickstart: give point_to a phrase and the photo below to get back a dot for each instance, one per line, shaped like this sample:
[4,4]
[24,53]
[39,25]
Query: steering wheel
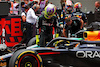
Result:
[61,44]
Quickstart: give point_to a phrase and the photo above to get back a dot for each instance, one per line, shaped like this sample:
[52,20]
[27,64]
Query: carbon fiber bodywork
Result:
[78,53]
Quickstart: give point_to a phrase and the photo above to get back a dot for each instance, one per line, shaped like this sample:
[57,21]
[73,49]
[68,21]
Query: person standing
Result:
[13,9]
[46,21]
[23,25]
[26,2]
[67,11]
[31,20]
[78,13]
[97,11]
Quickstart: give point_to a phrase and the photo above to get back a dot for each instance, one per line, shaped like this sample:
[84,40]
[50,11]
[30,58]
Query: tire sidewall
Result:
[14,60]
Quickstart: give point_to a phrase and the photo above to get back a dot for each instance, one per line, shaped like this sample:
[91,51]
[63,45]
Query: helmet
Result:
[69,5]
[78,5]
[49,11]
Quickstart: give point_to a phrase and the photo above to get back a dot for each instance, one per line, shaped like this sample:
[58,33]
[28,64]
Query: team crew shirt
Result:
[31,17]
[23,14]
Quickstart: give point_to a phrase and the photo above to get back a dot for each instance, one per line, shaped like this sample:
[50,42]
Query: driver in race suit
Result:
[78,13]
[66,12]
[46,21]
[72,25]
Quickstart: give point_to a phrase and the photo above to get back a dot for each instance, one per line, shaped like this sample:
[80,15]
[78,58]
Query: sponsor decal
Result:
[91,45]
[88,54]
[49,53]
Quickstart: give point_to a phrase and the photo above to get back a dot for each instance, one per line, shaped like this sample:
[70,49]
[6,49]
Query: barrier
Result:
[12,27]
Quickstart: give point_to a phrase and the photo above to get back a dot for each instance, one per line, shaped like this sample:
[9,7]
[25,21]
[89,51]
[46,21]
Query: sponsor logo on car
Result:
[88,54]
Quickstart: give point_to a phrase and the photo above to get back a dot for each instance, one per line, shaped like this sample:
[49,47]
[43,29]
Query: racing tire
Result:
[25,58]
[32,41]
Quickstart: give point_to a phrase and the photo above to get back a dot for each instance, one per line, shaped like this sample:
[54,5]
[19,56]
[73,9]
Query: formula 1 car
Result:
[92,32]
[57,53]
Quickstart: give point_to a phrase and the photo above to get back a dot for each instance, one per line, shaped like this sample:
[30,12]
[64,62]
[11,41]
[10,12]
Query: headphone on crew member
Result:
[35,6]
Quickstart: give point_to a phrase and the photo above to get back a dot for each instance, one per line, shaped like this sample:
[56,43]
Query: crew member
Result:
[26,2]
[46,22]
[23,24]
[72,26]
[31,20]
[97,11]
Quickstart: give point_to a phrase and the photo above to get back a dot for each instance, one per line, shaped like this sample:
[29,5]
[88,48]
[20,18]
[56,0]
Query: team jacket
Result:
[47,24]
[80,15]
[97,14]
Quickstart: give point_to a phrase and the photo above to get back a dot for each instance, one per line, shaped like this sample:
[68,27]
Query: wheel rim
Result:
[29,60]
[28,64]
